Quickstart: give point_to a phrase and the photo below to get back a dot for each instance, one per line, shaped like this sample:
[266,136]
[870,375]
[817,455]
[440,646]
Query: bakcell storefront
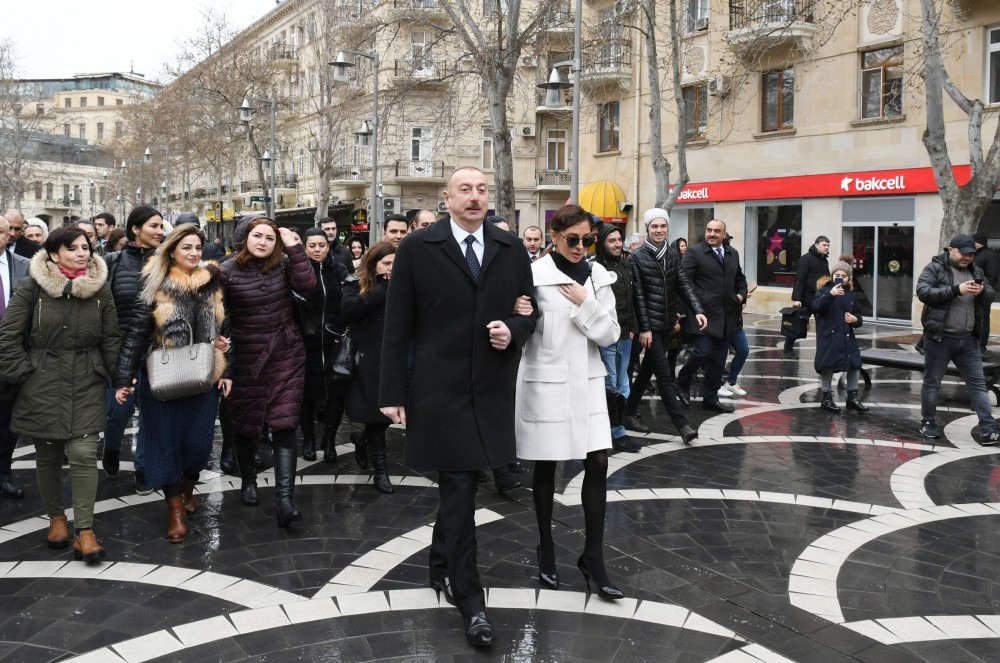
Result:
[875,216]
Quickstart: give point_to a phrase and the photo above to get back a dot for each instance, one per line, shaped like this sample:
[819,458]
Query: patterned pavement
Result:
[785,534]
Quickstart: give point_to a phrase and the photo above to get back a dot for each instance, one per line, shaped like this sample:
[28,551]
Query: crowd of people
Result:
[536,350]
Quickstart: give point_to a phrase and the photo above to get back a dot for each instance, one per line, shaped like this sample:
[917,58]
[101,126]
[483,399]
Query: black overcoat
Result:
[365,317]
[717,288]
[836,347]
[321,345]
[460,405]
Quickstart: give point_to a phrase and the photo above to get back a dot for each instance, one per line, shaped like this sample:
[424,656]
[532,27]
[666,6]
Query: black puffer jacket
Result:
[811,267]
[124,271]
[936,289]
[622,287]
[321,345]
[657,287]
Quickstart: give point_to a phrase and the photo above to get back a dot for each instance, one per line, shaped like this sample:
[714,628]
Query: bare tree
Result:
[19,161]
[963,205]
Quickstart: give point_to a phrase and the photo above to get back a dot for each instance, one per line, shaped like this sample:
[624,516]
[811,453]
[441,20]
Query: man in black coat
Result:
[812,265]
[714,270]
[13,268]
[986,259]
[454,287]
[17,243]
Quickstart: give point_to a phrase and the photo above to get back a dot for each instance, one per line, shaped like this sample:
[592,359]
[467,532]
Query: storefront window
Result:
[777,232]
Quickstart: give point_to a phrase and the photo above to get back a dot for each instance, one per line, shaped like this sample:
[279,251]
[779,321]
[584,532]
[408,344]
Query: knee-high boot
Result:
[284,486]
[376,451]
[612,399]
[248,472]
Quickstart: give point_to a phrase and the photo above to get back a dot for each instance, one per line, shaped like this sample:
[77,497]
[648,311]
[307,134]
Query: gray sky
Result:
[59,38]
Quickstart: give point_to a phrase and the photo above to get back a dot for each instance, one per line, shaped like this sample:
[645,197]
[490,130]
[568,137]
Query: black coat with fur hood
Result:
[72,347]
[194,298]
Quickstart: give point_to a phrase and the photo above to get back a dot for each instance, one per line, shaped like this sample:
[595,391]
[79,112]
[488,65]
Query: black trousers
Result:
[710,353]
[8,440]
[984,337]
[453,544]
[655,363]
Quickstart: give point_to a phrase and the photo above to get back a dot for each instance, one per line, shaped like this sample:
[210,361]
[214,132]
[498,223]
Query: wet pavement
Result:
[784,534]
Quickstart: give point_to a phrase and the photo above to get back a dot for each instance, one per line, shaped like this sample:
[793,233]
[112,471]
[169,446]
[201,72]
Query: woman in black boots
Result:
[268,357]
[838,314]
[321,334]
[364,310]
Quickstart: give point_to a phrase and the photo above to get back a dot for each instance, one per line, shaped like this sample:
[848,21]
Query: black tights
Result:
[283,439]
[594,498]
[331,420]
[174,489]
[375,436]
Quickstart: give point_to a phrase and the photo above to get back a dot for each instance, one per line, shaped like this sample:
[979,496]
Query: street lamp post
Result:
[270,156]
[340,67]
[147,157]
[92,197]
[121,190]
[555,84]
[138,192]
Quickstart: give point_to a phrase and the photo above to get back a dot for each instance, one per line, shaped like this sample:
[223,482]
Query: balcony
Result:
[354,175]
[759,26]
[607,67]
[60,203]
[427,11]
[420,171]
[283,55]
[256,186]
[421,72]
[565,107]
[552,180]
[559,25]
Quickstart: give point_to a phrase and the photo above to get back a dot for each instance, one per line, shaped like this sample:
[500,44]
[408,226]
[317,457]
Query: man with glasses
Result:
[18,243]
[659,283]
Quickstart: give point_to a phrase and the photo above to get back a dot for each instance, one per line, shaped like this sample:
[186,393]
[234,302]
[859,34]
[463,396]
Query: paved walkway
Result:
[785,534]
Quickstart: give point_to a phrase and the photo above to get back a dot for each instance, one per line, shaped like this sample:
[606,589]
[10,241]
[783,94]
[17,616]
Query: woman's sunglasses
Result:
[573,241]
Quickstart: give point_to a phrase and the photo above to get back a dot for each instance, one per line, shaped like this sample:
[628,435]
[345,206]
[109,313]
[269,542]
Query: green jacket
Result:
[73,346]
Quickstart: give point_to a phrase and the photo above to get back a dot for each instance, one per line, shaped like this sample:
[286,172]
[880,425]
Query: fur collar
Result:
[178,282]
[46,273]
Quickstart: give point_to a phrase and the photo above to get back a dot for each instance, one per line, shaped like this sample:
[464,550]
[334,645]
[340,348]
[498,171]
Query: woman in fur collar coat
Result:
[59,340]
[180,302]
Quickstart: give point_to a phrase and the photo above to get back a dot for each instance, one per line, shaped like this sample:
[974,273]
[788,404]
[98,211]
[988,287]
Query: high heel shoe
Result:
[608,591]
[548,579]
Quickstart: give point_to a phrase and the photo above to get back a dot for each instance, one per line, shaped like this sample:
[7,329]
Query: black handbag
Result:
[342,367]
[307,318]
[794,322]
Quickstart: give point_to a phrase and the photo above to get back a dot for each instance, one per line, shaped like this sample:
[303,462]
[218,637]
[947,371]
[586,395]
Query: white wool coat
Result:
[560,411]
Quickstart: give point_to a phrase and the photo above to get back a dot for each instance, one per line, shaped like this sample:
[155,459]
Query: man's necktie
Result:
[718,252]
[470,257]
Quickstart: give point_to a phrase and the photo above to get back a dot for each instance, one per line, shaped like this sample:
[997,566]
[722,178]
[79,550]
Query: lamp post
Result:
[147,157]
[269,156]
[121,190]
[553,100]
[340,67]
[138,192]
[93,195]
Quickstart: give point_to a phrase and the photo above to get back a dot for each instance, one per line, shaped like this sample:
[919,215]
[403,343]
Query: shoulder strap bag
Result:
[182,371]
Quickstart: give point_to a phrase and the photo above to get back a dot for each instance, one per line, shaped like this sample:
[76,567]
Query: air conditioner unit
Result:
[442,207]
[701,24]
[717,86]
[529,61]
[527,131]
[390,204]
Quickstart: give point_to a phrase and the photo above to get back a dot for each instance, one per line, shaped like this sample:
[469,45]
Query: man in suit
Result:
[12,269]
[533,242]
[16,242]
[452,296]
[714,270]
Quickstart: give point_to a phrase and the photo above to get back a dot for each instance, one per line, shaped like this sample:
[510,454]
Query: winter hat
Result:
[844,266]
[980,238]
[655,213]
[187,217]
[963,243]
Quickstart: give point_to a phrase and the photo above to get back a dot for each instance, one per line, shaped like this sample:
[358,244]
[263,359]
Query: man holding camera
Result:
[952,289]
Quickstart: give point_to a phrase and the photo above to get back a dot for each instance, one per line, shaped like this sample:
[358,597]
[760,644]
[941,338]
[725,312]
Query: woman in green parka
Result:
[65,307]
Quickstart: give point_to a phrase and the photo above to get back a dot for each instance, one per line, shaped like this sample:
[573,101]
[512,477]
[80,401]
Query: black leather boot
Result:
[308,446]
[248,472]
[828,403]
[380,475]
[284,486]
[360,449]
[227,460]
[329,445]
[854,401]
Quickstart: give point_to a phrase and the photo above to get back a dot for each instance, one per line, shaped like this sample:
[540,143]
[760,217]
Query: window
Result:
[420,144]
[555,149]
[83,102]
[83,131]
[420,52]
[696,15]
[39,109]
[65,193]
[695,112]
[487,149]
[38,191]
[993,65]
[48,191]
[100,101]
[100,131]
[67,102]
[609,138]
[119,129]
[119,102]
[66,128]
[777,100]
[777,230]
[882,83]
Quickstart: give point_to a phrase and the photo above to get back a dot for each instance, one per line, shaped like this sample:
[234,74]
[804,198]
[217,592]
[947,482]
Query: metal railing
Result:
[352,173]
[553,177]
[281,52]
[746,13]
[419,168]
[607,54]
[421,69]
[415,4]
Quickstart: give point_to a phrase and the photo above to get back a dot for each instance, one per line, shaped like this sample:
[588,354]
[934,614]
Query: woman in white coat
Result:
[561,411]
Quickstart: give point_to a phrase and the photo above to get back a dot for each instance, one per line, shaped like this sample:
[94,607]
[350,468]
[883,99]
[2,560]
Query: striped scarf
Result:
[658,252]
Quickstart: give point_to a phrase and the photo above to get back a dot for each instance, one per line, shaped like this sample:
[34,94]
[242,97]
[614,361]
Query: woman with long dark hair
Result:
[268,358]
[364,311]
[357,248]
[180,303]
[560,410]
[59,340]
[321,339]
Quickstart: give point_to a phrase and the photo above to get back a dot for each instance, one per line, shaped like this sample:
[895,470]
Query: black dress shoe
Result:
[479,630]
[506,481]
[688,434]
[632,422]
[684,396]
[443,585]
[717,406]
[11,491]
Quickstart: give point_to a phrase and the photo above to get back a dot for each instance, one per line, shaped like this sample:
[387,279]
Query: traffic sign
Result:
[260,199]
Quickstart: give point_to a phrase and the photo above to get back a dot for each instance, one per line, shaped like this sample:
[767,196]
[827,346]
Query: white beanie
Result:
[655,213]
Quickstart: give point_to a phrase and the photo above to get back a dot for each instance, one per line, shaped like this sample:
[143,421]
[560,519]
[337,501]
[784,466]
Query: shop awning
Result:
[601,199]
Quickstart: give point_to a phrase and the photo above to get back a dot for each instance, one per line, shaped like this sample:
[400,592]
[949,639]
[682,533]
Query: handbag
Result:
[181,371]
[308,319]
[343,364]
[794,322]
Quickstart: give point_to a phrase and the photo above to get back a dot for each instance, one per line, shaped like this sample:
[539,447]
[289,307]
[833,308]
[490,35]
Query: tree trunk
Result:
[665,197]
[503,154]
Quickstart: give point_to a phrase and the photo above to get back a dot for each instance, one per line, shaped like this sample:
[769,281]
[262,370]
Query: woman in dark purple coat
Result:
[268,366]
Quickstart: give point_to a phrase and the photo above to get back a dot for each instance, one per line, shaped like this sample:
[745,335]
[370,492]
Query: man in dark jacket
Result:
[454,287]
[721,287]
[812,265]
[16,242]
[340,252]
[13,268]
[986,260]
[659,282]
[952,288]
[616,356]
